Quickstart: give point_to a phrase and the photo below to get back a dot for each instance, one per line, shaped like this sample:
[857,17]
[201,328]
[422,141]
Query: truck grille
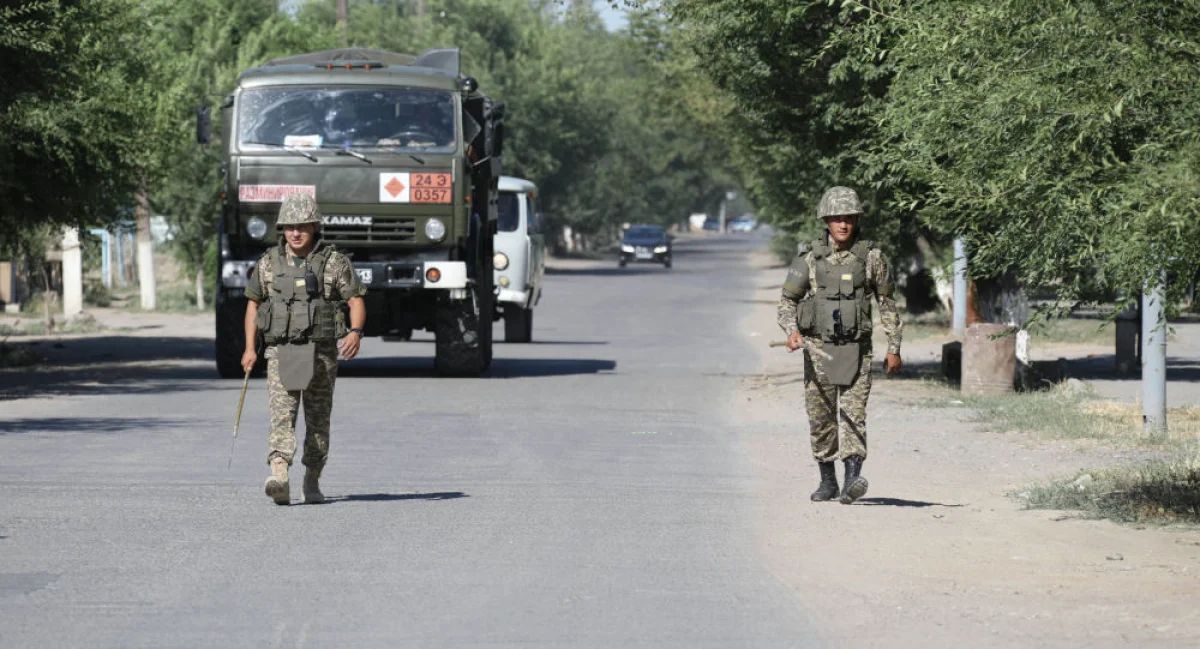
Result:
[380,231]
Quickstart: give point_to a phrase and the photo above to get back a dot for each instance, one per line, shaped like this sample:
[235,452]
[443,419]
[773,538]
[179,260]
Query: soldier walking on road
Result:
[295,296]
[826,305]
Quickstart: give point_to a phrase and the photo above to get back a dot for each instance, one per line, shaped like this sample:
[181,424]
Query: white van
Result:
[520,259]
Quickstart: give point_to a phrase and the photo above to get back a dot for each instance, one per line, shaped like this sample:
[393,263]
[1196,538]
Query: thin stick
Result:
[238,419]
[812,348]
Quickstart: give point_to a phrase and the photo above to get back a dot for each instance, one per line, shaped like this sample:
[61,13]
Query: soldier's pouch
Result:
[262,318]
[806,316]
[301,324]
[843,364]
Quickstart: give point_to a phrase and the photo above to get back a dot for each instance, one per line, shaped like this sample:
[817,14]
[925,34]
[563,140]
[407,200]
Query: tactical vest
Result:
[839,310]
[290,314]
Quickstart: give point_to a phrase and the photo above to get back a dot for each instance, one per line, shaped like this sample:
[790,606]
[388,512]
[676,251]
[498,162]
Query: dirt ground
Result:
[936,554]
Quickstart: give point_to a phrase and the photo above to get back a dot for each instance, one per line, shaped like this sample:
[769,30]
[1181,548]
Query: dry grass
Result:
[1164,491]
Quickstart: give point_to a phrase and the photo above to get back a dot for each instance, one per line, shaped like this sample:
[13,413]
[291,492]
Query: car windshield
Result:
[336,118]
[508,212]
[644,232]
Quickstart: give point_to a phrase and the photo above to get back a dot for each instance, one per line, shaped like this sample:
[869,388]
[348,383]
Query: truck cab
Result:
[403,155]
[520,259]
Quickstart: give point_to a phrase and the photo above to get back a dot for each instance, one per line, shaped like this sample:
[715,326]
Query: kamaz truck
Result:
[403,154]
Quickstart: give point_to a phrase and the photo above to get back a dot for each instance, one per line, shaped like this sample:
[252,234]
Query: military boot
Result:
[312,488]
[855,485]
[828,487]
[277,485]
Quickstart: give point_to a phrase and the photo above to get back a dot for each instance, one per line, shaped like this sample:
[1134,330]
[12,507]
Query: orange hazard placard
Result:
[431,188]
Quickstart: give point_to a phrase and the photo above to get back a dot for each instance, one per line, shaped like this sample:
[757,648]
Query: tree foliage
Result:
[1058,137]
[101,97]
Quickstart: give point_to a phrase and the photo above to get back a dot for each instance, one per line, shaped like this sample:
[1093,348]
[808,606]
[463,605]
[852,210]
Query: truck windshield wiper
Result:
[399,152]
[289,149]
[356,154]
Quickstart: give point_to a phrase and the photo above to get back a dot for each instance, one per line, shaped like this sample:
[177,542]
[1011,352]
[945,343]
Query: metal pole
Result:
[1154,357]
[104,260]
[120,258]
[960,287]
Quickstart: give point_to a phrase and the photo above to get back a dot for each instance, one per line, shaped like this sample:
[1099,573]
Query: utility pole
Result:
[343,20]
[960,288]
[1154,357]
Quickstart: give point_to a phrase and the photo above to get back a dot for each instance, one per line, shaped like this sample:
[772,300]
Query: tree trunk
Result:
[145,251]
[200,288]
[343,21]
[47,298]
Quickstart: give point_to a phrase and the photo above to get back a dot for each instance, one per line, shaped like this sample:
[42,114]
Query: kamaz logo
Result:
[348,220]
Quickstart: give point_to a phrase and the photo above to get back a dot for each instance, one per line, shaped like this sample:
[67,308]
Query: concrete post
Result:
[72,261]
[1154,358]
[960,288]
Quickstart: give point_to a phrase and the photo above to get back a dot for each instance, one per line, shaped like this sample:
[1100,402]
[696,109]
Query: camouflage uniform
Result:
[339,281]
[831,441]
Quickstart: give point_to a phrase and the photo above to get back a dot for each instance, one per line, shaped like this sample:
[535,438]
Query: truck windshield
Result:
[508,212]
[343,118]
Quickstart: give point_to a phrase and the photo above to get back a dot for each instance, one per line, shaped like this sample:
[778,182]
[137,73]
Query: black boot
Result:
[828,487]
[855,485]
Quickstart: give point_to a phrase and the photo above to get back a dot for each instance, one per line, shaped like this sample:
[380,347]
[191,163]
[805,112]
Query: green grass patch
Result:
[1164,491]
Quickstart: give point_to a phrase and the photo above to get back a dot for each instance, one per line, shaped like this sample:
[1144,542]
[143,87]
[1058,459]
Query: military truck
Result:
[403,154]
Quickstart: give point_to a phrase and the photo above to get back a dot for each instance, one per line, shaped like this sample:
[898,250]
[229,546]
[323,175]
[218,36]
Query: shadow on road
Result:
[85,424]
[505,368]
[1103,367]
[900,502]
[443,495]
[110,378]
[609,271]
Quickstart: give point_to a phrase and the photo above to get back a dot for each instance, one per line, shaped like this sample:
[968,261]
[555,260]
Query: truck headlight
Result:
[256,228]
[500,261]
[660,249]
[435,230]
[626,248]
[235,274]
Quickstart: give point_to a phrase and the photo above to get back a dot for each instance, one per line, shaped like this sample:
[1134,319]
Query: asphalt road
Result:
[591,492]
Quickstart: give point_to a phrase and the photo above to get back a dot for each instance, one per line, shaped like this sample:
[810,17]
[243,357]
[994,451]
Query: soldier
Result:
[295,296]
[826,307]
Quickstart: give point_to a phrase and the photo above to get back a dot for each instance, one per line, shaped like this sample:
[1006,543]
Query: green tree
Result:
[72,102]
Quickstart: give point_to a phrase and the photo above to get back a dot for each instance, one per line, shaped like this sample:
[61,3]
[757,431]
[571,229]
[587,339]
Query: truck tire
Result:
[463,344]
[518,324]
[231,340]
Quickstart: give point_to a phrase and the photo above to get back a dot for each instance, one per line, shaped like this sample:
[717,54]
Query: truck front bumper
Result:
[514,296]
[434,275]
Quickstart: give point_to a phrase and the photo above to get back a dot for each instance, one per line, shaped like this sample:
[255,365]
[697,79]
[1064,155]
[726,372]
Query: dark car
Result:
[646,243]
[714,226]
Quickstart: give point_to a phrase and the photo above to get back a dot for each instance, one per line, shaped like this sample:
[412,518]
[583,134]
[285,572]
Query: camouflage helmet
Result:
[298,208]
[838,201]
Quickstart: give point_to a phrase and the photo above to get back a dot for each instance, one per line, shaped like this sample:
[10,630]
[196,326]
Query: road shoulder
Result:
[937,553]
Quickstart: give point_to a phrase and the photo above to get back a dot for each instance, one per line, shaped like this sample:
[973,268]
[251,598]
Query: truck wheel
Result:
[518,324]
[463,339]
[231,340]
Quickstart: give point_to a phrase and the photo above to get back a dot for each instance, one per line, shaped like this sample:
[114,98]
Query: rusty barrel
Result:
[988,365]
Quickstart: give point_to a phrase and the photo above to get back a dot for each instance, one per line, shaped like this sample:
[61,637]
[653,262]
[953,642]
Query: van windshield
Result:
[334,118]
[508,212]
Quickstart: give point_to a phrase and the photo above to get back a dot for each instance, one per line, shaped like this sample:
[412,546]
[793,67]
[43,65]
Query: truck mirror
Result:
[203,125]
[498,146]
